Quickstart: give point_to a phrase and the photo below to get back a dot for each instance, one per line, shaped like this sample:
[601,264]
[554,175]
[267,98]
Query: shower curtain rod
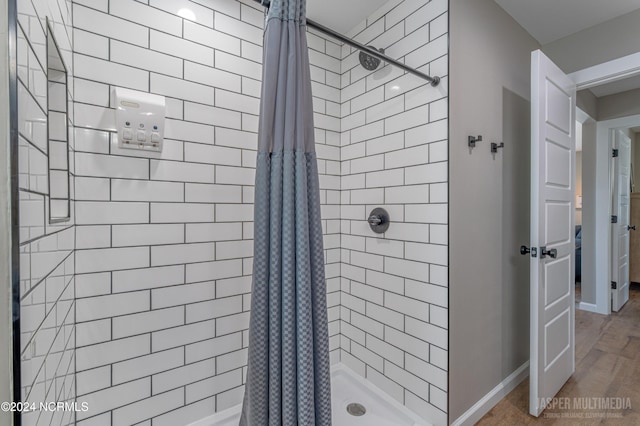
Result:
[368,50]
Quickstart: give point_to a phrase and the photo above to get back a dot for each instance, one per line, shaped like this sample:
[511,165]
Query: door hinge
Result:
[615,153]
[614,285]
[614,219]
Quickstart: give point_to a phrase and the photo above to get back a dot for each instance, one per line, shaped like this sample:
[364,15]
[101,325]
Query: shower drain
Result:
[356,409]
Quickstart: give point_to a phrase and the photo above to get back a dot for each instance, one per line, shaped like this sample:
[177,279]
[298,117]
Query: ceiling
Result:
[551,20]
[616,87]
[342,15]
[545,20]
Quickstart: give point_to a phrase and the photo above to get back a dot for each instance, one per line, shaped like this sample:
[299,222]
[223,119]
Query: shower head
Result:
[370,63]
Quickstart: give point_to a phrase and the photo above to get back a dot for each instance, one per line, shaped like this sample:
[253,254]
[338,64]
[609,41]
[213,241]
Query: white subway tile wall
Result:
[47,262]
[394,296]
[164,241]
[151,278]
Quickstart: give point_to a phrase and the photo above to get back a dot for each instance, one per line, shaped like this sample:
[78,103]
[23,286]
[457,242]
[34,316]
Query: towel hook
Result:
[473,140]
[495,147]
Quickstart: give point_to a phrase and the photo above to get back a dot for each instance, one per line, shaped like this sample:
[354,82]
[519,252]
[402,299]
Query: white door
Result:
[620,230]
[553,110]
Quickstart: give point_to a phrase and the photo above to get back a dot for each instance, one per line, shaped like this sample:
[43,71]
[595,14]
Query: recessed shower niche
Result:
[57,132]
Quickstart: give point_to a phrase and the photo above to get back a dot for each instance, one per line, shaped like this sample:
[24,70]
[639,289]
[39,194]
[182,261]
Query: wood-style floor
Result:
[607,365]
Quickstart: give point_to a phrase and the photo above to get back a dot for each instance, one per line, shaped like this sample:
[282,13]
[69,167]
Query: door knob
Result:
[524,250]
[629,228]
[553,253]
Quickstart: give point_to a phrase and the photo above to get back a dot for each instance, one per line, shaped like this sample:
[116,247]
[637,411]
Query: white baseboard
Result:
[487,402]
[589,307]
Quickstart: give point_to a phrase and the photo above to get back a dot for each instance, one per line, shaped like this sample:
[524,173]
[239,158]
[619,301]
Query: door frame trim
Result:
[607,72]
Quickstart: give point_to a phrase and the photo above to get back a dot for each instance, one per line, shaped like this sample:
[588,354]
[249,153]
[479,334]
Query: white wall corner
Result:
[487,402]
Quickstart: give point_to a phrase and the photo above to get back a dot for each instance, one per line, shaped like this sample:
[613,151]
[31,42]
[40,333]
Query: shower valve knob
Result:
[379,220]
[375,220]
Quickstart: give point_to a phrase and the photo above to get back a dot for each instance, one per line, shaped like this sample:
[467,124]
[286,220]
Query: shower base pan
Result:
[350,393]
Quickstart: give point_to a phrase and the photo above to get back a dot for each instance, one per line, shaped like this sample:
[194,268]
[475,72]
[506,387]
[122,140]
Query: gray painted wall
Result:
[5,224]
[619,105]
[587,102]
[601,43]
[489,213]
[635,161]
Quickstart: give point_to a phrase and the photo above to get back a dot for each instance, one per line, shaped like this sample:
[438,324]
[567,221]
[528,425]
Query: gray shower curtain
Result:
[288,378]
